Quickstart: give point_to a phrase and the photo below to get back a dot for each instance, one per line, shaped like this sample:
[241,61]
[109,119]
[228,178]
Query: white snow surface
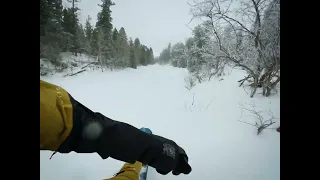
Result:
[218,145]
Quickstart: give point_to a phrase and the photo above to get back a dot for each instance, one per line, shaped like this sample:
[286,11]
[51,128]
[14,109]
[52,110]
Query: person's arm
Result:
[66,125]
[56,119]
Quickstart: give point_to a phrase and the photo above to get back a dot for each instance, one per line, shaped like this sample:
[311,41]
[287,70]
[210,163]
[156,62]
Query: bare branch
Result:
[209,103]
[193,98]
[248,123]
[75,73]
[261,124]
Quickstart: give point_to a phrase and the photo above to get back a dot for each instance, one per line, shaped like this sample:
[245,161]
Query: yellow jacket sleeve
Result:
[55,116]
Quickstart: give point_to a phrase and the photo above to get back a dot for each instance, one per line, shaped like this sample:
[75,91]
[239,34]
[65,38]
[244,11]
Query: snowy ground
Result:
[218,145]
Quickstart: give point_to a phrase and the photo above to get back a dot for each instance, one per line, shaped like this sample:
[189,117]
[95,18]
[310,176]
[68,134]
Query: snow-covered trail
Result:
[203,121]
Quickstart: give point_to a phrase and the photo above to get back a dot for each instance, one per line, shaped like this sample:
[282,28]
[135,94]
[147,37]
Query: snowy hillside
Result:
[69,65]
[204,121]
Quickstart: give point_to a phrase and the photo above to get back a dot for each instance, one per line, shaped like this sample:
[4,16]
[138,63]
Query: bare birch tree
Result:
[244,34]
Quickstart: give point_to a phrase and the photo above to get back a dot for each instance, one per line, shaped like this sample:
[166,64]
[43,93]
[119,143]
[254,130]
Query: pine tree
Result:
[123,48]
[104,24]
[137,50]
[94,42]
[73,26]
[132,55]
[115,45]
[67,23]
[151,56]
[101,48]
[165,54]
[88,34]
[50,29]
[143,54]
[81,38]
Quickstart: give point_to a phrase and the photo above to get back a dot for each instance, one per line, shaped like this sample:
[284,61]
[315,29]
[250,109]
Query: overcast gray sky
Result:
[154,22]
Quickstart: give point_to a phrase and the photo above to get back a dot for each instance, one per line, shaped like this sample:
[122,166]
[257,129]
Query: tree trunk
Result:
[255,79]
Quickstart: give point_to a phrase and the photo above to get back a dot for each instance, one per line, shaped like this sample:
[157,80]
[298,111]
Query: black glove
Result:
[166,156]
[94,132]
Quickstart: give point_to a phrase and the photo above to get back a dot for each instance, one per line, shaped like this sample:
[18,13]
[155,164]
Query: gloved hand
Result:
[171,158]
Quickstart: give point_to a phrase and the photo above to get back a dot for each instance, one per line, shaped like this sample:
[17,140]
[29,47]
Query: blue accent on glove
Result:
[146,130]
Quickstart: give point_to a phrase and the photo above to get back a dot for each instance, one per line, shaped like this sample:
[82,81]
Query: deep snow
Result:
[218,145]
